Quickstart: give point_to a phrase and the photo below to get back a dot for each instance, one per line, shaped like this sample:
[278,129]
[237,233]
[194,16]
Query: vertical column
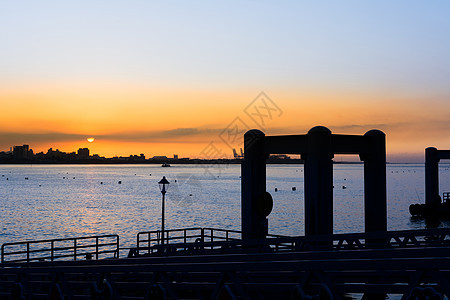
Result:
[375,210]
[318,182]
[253,171]
[432,177]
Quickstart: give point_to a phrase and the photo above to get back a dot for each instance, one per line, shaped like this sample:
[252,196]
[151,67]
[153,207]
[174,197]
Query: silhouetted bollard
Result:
[374,157]
[432,177]
[318,182]
[254,225]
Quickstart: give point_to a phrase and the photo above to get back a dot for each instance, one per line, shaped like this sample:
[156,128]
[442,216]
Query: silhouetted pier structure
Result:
[317,149]
[208,263]
[434,207]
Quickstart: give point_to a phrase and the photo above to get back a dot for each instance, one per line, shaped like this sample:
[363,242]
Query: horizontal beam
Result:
[285,144]
[348,144]
[444,154]
[298,144]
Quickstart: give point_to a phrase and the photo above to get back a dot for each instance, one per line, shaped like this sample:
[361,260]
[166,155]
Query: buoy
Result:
[101,182]
[120,182]
[190,195]
[294,188]
[276,190]
[344,187]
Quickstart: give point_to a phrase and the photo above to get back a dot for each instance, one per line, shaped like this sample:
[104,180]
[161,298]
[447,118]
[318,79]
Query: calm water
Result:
[78,200]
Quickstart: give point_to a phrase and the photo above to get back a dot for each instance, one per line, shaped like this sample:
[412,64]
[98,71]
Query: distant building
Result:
[83,153]
[159,157]
[175,156]
[55,154]
[22,152]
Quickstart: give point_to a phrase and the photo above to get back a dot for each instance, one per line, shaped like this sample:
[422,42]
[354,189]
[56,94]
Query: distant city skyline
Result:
[26,152]
[186,77]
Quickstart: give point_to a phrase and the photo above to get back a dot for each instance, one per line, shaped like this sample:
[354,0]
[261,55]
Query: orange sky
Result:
[128,120]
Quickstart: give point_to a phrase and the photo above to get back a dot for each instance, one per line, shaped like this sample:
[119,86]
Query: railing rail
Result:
[90,247]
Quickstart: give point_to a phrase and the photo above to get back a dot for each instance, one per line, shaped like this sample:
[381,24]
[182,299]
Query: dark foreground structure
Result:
[208,263]
[435,206]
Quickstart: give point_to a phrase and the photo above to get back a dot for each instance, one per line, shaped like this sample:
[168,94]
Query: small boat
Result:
[165,165]
[439,210]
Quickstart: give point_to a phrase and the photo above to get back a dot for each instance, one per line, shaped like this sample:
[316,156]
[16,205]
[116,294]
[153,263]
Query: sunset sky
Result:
[177,77]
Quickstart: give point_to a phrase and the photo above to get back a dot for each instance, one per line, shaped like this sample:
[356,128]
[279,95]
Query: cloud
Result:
[172,135]
[13,138]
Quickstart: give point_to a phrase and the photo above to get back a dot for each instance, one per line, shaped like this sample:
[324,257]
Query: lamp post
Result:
[162,186]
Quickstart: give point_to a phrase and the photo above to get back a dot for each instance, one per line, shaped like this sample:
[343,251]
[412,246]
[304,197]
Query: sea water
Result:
[60,201]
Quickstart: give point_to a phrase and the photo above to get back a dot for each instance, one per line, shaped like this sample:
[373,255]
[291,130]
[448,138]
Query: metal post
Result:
[375,212]
[253,182]
[118,247]
[74,249]
[96,247]
[162,217]
[432,177]
[318,182]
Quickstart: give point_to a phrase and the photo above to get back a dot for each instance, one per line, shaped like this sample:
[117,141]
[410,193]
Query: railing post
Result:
[138,243]
[96,247]
[118,245]
[28,252]
[52,253]
[74,249]
[148,242]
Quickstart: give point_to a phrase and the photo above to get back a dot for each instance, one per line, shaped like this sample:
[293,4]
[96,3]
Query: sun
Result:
[90,140]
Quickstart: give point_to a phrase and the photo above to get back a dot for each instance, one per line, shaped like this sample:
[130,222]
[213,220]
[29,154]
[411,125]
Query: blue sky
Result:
[384,44]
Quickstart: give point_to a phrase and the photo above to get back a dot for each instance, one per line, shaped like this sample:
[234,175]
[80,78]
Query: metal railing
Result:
[151,241]
[90,247]
[202,240]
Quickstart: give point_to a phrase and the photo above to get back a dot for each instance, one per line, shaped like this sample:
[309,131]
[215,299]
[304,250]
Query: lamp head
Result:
[162,184]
